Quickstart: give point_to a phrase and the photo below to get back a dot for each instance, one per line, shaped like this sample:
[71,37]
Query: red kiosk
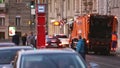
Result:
[41,20]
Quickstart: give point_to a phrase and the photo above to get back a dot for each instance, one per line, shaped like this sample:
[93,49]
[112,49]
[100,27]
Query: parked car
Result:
[7,55]
[63,38]
[6,44]
[53,42]
[46,58]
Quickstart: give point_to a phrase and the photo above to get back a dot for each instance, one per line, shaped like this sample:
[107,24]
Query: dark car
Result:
[50,57]
[53,42]
[7,54]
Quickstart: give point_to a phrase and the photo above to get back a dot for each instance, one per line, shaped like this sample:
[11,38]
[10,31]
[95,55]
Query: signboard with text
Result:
[41,9]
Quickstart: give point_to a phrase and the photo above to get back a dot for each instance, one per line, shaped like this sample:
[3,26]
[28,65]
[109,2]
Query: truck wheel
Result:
[95,52]
[107,52]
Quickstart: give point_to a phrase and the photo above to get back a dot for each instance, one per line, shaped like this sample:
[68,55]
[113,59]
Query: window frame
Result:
[2,21]
[17,21]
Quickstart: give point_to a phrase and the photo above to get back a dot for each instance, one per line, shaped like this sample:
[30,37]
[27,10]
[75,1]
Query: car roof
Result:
[6,43]
[61,35]
[17,47]
[48,50]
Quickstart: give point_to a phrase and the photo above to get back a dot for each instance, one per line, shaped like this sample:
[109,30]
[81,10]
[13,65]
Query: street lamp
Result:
[56,23]
[32,14]
[32,4]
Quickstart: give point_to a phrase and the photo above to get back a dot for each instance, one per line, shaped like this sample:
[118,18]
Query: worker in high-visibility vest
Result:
[114,41]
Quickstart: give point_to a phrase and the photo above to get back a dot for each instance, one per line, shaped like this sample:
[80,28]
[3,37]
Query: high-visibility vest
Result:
[114,37]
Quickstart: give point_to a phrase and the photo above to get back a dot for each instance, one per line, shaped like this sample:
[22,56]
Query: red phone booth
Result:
[41,20]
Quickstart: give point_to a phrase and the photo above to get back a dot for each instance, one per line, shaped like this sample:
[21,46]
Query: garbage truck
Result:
[96,30]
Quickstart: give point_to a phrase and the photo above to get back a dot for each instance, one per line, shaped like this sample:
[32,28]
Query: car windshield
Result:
[52,60]
[49,39]
[61,36]
[6,56]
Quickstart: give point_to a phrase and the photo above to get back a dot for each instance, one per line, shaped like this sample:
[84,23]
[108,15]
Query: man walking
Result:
[24,39]
[16,39]
[80,47]
[31,39]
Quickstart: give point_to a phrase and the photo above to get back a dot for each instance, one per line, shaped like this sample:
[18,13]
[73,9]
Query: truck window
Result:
[100,27]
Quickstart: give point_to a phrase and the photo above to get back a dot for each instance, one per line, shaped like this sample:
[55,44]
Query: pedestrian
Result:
[16,38]
[31,39]
[114,41]
[24,39]
[86,46]
[35,41]
[80,47]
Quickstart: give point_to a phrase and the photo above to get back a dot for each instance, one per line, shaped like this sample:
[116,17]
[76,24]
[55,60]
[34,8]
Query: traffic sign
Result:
[41,8]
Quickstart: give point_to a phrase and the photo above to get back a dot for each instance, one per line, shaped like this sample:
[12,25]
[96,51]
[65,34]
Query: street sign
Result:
[41,8]
[32,11]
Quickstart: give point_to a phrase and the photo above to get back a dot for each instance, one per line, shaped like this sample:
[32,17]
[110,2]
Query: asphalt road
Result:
[105,61]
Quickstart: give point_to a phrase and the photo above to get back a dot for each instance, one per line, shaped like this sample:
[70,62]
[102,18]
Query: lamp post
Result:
[32,14]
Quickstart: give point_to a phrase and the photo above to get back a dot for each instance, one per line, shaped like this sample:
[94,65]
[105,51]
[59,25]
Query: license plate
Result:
[53,44]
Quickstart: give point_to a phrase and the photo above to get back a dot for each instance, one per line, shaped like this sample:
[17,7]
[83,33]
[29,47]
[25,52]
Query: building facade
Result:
[68,10]
[16,14]
[114,9]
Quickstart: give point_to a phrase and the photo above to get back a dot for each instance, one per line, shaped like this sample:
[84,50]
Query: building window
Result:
[18,1]
[77,6]
[50,2]
[44,1]
[94,5]
[2,1]
[116,4]
[2,21]
[68,4]
[73,4]
[41,1]
[17,21]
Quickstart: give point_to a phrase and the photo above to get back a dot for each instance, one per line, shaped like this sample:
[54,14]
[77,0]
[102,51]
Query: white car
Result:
[64,39]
